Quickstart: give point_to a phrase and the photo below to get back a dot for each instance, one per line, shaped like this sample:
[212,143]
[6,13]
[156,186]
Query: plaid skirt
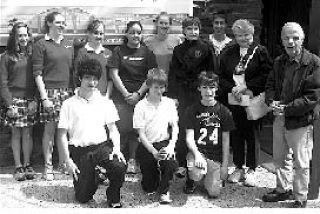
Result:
[56,96]
[23,117]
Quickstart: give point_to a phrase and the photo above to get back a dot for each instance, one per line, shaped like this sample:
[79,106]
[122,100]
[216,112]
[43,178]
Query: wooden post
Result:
[315,163]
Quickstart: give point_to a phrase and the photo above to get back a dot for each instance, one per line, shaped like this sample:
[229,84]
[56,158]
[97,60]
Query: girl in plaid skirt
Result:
[17,92]
[52,60]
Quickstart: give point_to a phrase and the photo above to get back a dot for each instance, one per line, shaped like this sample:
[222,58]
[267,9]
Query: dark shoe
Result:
[276,196]
[189,188]
[299,204]
[115,205]
[30,173]
[19,174]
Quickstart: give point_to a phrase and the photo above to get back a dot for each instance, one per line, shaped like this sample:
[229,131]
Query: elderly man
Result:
[292,90]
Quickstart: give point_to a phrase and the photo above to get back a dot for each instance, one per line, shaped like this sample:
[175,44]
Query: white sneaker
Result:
[236,176]
[132,167]
[165,198]
[249,178]
[48,173]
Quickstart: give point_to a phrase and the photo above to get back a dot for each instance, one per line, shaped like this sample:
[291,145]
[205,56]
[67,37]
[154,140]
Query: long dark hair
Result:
[129,25]
[13,47]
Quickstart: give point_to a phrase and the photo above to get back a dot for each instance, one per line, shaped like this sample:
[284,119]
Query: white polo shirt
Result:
[155,119]
[85,120]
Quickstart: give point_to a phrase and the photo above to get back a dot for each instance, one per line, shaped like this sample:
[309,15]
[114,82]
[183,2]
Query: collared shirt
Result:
[219,45]
[85,120]
[99,50]
[290,80]
[155,119]
[47,37]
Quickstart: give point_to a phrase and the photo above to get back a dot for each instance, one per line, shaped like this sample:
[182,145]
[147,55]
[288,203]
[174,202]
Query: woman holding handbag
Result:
[244,68]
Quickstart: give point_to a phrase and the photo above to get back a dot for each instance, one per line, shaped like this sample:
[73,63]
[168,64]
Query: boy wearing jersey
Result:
[208,124]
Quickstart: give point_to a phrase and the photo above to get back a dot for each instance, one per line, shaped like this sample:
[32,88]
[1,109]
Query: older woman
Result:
[244,68]
[52,61]
[162,44]
[129,67]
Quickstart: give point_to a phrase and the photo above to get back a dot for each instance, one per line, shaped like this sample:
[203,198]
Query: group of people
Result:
[160,105]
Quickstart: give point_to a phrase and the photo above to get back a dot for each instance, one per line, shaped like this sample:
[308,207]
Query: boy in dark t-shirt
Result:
[207,125]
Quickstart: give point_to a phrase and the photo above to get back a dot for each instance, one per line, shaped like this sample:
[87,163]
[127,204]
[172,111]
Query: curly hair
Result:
[13,47]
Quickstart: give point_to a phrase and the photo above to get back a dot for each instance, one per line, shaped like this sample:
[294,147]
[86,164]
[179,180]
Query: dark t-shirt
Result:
[208,123]
[133,65]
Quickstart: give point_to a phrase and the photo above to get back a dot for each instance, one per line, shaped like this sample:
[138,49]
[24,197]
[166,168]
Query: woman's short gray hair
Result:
[243,25]
[294,26]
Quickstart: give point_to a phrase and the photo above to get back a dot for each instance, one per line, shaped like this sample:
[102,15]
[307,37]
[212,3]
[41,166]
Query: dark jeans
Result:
[187,95]
[87,158]
[155,174]
[246,136]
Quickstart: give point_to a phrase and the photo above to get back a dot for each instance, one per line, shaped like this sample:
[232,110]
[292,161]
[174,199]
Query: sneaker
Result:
[19,174]
[132,167]
[299,204]
[62,168]
[276,196]
[181,172]
[48,173]
[30,173]
[115,205]
[189,188]
[165,198]
[249,178]
[236,176]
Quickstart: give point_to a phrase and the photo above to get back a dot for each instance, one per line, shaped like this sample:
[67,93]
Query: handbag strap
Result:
[250,57]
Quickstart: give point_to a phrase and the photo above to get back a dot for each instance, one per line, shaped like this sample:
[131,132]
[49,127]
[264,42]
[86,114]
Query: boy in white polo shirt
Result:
[152,117]
[84,118]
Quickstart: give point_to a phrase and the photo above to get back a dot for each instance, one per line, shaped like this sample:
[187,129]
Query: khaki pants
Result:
[292,149]
[210,175]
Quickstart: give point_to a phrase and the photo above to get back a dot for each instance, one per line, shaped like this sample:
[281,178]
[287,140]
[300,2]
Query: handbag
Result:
[257,107]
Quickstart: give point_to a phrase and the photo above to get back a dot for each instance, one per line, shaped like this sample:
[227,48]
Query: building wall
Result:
[236,9]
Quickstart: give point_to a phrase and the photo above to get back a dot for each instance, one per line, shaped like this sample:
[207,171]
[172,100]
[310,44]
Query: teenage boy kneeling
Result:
[152,117]
[208,124]
[83,118]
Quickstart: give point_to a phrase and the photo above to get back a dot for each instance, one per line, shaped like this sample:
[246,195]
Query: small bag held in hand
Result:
[257,108]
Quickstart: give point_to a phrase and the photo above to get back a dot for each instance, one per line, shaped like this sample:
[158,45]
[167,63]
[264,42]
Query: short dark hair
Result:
[208,78]
[89,66]
[190,21]
[220,14]
[157,75]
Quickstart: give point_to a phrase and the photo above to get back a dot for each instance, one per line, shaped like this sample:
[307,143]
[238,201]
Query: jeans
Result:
[292,149]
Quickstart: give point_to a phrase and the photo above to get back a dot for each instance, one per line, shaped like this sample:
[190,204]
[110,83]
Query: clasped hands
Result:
[240,90]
